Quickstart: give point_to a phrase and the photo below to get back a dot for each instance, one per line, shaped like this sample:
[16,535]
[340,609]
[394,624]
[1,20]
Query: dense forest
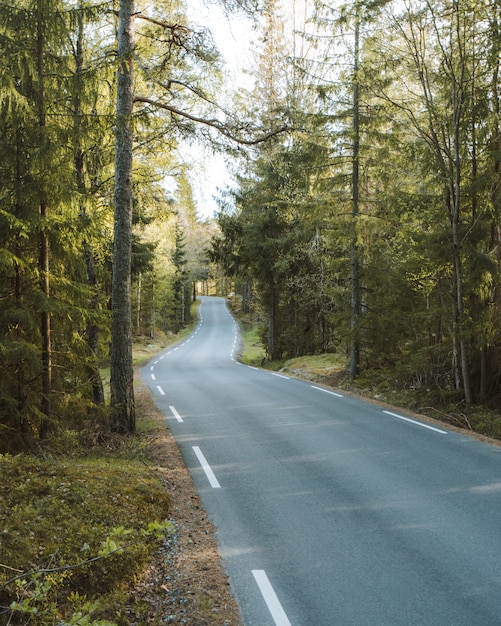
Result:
[372,230]
[363,218]
[58,106]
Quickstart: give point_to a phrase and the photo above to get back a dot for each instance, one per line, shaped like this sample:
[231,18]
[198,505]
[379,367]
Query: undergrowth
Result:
[381,385]
[75,530]
[81,515]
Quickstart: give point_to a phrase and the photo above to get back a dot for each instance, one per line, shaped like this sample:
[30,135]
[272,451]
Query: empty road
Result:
[330,510]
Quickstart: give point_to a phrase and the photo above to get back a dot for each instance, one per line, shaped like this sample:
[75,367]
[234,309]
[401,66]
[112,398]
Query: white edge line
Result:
[332,393]
[160,390]
[279,375]
[270,597]
[176,414]
[206,468]
[406,419]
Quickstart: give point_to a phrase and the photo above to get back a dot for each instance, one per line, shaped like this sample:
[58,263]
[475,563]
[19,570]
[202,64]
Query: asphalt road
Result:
[330,510]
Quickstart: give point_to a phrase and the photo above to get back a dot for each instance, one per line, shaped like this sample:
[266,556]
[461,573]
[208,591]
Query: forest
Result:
[362,218]
[57,244]
[372,230]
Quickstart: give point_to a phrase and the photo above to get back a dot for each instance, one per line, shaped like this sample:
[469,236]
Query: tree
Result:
[440,48]
[121,372]
[41,276]
[90,159]
[182,43]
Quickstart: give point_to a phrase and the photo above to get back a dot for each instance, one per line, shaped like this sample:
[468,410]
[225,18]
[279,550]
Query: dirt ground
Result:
[186,582]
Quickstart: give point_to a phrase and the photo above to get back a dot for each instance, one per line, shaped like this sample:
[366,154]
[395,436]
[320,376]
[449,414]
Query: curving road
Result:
[329,510]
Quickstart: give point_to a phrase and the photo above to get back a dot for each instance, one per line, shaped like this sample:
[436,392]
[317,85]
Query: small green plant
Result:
[37,592]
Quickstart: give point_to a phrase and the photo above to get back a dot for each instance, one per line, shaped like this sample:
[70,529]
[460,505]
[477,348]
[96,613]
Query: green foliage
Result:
[426,235]
[74,531]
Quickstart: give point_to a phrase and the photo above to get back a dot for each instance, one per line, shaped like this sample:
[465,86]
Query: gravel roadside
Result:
[185,583]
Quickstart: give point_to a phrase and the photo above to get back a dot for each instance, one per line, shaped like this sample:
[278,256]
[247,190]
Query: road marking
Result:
[176,414]
[153,377]
[280,375]
[332,393]
[152,367]
[206,468]
[406,419]
[160,390]
[162,357]
[270,597]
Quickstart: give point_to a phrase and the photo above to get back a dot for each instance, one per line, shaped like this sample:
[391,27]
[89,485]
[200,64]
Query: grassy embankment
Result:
[381,386]
[80,517]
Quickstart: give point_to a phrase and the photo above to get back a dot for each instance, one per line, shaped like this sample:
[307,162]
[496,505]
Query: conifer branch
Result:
[213,123]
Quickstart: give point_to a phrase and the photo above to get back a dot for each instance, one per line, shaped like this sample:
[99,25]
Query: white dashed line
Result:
[270,597]
[176,414]
[206,468]
[160,390]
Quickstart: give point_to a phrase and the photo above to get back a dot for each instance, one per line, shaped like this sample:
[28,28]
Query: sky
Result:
[232,36]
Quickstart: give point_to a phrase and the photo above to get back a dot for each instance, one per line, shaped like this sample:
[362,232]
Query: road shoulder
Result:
[186,582]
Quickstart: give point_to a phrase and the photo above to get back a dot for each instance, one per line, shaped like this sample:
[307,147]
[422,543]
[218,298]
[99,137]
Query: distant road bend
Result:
[330,510]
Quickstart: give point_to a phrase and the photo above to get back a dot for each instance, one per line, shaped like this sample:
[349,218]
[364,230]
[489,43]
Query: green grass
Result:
[254,352]
[316,365]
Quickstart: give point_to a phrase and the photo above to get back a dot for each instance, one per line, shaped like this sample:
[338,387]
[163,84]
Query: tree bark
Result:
[121,371]
[88,255]
[44,249]
[354,364]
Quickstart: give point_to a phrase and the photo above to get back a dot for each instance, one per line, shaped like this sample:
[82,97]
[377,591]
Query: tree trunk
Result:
[88,255]
[121,371]
[273,349]
[354,365]
[458,95]
[44,250]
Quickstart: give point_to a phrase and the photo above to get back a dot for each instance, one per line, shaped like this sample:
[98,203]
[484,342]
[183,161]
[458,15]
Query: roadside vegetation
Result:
[379,385]
[81,515]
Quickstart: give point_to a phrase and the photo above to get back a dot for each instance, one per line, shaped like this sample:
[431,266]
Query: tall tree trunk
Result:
[88,255]
[458,111]
[354,365]
[273,348]
[121,371]
[18,290]
[44,250]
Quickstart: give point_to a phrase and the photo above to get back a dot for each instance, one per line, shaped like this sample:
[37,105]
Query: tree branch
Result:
[213,123]
[171,27]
